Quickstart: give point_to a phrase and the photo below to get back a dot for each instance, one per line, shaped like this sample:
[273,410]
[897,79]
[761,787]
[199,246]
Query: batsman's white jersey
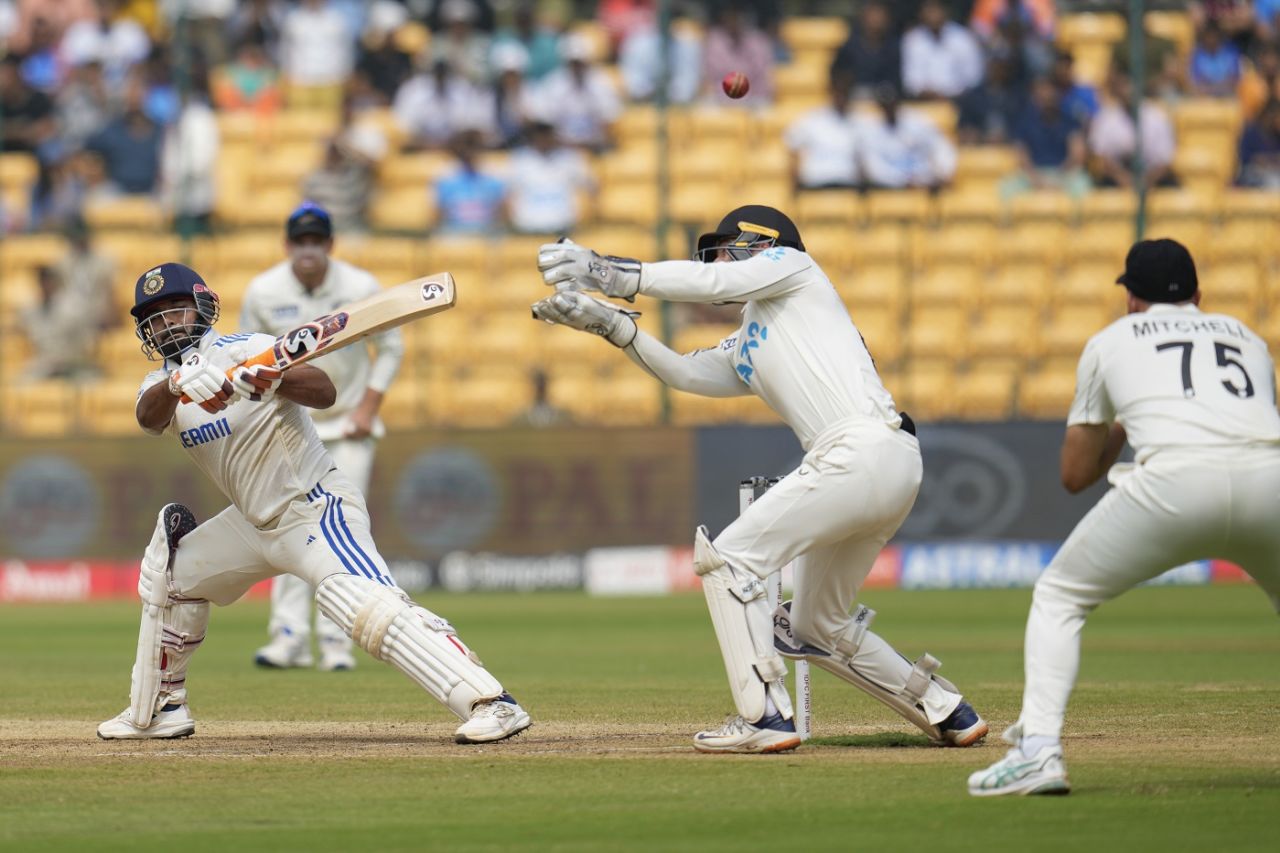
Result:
[1196,395]
[276,301]
[799,351]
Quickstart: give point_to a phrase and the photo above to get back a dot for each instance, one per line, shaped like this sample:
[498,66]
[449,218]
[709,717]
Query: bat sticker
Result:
[431,291]
[300,341]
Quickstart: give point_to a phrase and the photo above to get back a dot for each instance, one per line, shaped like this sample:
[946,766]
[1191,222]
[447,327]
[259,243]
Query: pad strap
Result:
[850,639]
[921,674]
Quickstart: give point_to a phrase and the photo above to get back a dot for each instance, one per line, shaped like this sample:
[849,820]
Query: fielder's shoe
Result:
[770,733]
[171,721]
[964,727]
[493,721]
[1017,773]
[336,661]
[283,652]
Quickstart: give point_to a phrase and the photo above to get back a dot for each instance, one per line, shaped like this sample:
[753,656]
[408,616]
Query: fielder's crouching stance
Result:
[798,350]
[291,511]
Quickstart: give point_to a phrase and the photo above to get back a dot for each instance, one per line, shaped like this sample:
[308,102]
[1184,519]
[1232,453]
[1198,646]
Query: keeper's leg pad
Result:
[840,664]
[390,627]
[172,627]
[739,608]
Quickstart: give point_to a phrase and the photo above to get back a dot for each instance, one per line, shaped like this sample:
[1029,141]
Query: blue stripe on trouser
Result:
[343,531]
[334,542]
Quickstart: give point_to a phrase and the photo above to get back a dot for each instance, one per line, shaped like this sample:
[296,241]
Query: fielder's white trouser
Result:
[1176,507]
[291,597]
[833,515]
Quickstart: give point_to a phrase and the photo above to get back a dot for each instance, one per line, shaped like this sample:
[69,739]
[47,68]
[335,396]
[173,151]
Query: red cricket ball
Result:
[735,84]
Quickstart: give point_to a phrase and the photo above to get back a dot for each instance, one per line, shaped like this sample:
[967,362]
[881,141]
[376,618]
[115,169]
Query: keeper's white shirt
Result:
[260,455]
[797,348]
[1174,376]
[276,301]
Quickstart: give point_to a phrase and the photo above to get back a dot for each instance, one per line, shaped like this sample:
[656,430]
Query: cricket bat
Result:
[387,309]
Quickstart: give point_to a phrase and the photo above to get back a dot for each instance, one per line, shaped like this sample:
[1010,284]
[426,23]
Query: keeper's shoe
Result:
[493,721]
[964,727]
[171,721]
[1016,773]
[771,733]
[283,652]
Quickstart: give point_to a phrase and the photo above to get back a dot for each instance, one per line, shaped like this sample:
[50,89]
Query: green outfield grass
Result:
[1173,739]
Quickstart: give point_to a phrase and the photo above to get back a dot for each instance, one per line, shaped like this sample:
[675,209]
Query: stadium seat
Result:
[637,122]
[942,113]
[981,203]
[927,390]
[632,204]
[1023,283]
[1108,205]
[984,165]
[257,249]
[875,284]
[1043,205]
[1222,115]
[626,241]
[418,170]
[18,169]
[1174,26]
[42,409]
[1046,394]
[881,329]
[1251,204]
[713,162]
[721,125]
[470,256]
[697,202]
[482,398]
[373,252]
[1231,281]
[814,34]
[908,205]
[1070,327]
[838,207]
[984,395]
[629,164]
[630,398]
[829,244]
[953,283]
[407,209]
[306,126]
[937,333]
[1183,204]
[137,213]
[1005,331]
[881,243]
[1105,241]
[1037,243]
[801,82]
[1088,283]
[108,407]
[1090,27]
[965,243]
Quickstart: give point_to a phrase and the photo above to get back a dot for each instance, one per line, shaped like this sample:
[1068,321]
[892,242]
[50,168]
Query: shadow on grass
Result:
[881,740]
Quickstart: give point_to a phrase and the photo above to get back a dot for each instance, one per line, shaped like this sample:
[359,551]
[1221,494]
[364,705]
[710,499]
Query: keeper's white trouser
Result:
[833,515]
[292,597]
[1175,507]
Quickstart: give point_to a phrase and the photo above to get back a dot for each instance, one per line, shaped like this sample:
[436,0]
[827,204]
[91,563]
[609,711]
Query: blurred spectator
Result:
[1031,53]
[940,58]
[1260,150]
[580,99]
[996,105]
[8,21]
[42,62]
[87,275]
[1260,84]
[1163,70]
[541,413]
[130,147]
[202,25]
[872,56]
[189,160]
[342,186]
[903,148]
[640,61]
[512,94]
[734,45]
[1235,18]
[483,18]
[260,20]
[250,81]
[117,41]
[1079,100]
[1114,139]
[160,100]
[1050,144]
[460,43]
[468,199]
[1215,63]
[83,105]
[545,180]
[382,66]
[1266,21]
[620,18]
[822,142]
[433,107]
[540,43]
[317,54]
[988,15]
[70,181]
[26,115]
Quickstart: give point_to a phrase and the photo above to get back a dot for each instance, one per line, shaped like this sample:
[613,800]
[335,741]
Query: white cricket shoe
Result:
[283,652]
[493,721]
[1017,773]
[334,660]
[771,733]
[171,721]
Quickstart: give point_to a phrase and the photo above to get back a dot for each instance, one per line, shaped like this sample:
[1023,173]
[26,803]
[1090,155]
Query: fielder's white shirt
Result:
[797,348]
[1175,376]
[276,301]
[260,455]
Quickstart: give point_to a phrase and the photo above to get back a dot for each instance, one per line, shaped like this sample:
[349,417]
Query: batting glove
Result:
[257,383]
[588,314]
[568,266]
[202,383]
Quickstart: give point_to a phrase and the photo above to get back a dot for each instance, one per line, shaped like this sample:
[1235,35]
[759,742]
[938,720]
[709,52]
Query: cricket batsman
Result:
[291,511]
[798,350]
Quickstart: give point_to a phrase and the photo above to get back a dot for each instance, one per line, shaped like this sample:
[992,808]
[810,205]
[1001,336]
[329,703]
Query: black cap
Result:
[309,218]
[163,282]
[753,214]
[1160,271]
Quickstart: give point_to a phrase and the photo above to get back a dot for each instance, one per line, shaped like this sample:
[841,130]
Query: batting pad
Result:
[740,615]
[422,645]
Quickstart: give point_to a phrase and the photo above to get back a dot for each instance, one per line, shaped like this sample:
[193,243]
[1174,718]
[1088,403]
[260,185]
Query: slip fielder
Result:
[1194,394]
[308,284]
[291,511]
[797,350]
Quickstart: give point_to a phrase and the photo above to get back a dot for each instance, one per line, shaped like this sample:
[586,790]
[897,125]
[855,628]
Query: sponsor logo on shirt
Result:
[751,341]
[775,254]
[284,312]
[205,433]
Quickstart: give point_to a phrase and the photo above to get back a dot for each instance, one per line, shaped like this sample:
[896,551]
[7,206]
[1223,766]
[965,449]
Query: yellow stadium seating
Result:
[1039,243]
[981,202]
[698,202]
[1183,204]
[701,336]
[1251,204]
[941,113]
[881,329]
[109,407]
[43,409]
[1090,27]
[470,256]
[952,284]
[722,125]
[985,395]
[482,399]
[909,205]
[967,243]
[1070,327]
[18,169]
[875,284]
[1046,394]
[1089,283]
[928,390]
[138,213]
[377,252]
[801,82]
[985,165]
[1236,281]
[1044,205]
[313,126]
[712,162]
[26,251]
[1214,114]
[409,209]
[632,204]
[626,399]
[1174,26]
[838,207]
[1105,241]
[630,164]
[1005,331]
[626,241]
[1091,62]
[637,122]
[812,33]
[1109,205]
[419,169]
[883,243]
[1021,283]
[937,333]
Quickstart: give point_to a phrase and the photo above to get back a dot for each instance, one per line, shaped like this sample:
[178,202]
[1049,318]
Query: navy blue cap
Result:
[1160,271]
[164,282]
[309,218]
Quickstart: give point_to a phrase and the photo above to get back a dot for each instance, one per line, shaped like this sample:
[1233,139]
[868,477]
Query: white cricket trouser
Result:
[1177,506]
[292,597]
[851,493]
[322,533]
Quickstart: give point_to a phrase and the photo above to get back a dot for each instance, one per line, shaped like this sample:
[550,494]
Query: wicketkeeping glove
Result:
[202,383]
[257,383]
[588,314]
[568,266]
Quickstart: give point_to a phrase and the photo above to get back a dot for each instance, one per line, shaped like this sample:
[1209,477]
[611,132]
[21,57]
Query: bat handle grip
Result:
[266,357]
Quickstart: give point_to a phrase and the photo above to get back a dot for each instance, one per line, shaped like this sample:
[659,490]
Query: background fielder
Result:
[306,285]
[291,511]
[798,351]
[1195,395]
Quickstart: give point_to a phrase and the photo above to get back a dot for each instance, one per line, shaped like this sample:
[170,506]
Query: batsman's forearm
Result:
[704,372]
[156,407]
[308,386]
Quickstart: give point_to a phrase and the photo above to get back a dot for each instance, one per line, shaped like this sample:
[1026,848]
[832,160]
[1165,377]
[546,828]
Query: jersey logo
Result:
[774,254]
[205,433]
[152,282]
[283,312]
[755,334]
